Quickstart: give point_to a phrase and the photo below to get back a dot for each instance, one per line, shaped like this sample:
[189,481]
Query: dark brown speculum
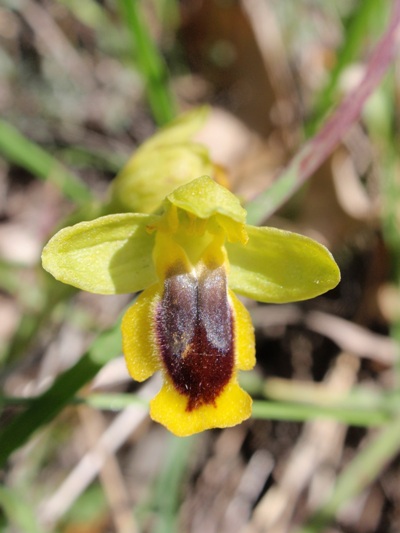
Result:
[194,327]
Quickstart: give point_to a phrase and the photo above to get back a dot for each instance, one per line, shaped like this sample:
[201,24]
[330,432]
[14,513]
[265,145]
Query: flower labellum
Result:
[195,334]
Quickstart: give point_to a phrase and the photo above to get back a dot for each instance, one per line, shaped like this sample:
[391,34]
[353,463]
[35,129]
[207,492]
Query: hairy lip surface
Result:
[194,327]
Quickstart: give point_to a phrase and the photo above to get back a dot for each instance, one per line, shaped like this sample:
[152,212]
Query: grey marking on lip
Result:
[179,305]
[213,308]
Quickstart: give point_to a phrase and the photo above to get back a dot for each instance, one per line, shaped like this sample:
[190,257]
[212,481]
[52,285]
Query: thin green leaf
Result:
[168,490]
[19,150]
[292,411]
[366,466]
[88,12]
[45,407]
[150,62]
[301,413]
[364,21]
[318,149]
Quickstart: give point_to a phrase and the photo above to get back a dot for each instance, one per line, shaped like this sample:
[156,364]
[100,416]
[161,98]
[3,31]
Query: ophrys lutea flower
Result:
[189,260]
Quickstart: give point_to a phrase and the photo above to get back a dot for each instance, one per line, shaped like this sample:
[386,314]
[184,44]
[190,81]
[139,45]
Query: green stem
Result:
[299,412]
[150,62]
[290,411]
[318,149]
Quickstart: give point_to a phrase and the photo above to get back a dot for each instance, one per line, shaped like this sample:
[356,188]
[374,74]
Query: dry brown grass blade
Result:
[321,444]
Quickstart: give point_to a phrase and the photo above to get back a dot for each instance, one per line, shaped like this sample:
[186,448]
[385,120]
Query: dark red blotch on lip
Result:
[195,334]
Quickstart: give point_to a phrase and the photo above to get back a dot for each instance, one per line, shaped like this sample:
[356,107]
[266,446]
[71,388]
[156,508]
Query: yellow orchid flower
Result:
[165,161]
[189,260]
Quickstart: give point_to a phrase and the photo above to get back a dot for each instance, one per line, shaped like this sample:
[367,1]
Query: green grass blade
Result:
[45,407]
[21,517]
[368,15]
[292,411]
[318,149]
[150,62]
[20,151]
[363,470]
[363,416]
[168,489]
[88,12]
[10,277]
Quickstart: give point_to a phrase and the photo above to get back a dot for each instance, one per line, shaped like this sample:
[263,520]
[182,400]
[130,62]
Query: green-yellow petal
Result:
[278,266]
[109,255]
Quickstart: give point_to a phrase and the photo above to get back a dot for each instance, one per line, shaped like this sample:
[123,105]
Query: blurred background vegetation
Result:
[82,84]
